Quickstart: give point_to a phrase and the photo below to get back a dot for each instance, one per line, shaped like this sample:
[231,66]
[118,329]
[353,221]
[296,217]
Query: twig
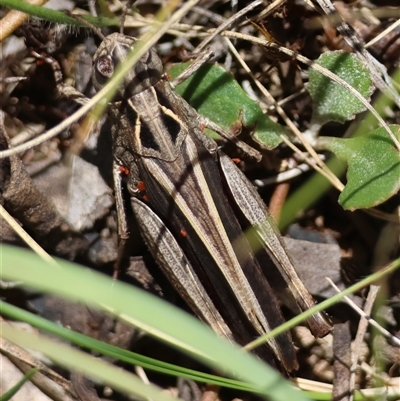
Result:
[321,167]
[364,313]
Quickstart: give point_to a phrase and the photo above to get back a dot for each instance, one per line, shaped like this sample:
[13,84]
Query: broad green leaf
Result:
[373,174]
[215,94]
[331,101]
[150,314]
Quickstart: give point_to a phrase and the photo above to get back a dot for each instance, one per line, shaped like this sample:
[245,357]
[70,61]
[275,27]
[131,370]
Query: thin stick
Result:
[322,70]
[26,237]
[365,313]
[146,41]
[321,167]
[228,22]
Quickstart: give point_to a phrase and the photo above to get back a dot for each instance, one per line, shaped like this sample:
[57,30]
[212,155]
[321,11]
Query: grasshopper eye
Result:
[104,68]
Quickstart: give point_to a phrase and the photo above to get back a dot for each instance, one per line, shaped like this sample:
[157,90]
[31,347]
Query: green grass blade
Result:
[158,318]
[72,358]
[373,278]
[58,17]
[118,353]
[14,390]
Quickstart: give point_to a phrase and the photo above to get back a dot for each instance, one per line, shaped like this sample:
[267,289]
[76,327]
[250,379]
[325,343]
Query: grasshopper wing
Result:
[168,254]
[253,209]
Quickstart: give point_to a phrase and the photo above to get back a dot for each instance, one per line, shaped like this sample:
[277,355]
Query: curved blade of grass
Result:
[118,353]
[158,318]
[100,100]
[71,358]
[14,390]
[55,16]
[373,278]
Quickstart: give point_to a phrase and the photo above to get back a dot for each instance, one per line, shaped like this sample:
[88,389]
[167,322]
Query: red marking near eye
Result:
[183,233]
[168,76]
[140,186]
[202,127]
[124,170]
[236,160]
[40,62]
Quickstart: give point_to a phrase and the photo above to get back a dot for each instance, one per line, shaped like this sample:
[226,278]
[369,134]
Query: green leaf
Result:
[14,390]
[216,95]
[331,101]
[373,174]
[150,314]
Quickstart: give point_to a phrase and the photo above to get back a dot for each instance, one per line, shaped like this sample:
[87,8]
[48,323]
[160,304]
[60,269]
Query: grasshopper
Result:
[193,205]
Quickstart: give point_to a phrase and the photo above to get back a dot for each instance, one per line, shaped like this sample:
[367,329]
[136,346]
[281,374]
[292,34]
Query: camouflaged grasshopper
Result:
[193,206]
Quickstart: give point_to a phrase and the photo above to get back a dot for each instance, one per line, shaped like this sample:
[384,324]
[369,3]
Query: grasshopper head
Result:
[113,51]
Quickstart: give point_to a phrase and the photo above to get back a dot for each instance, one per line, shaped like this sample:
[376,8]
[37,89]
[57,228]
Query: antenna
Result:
[125,11]
[83,21]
